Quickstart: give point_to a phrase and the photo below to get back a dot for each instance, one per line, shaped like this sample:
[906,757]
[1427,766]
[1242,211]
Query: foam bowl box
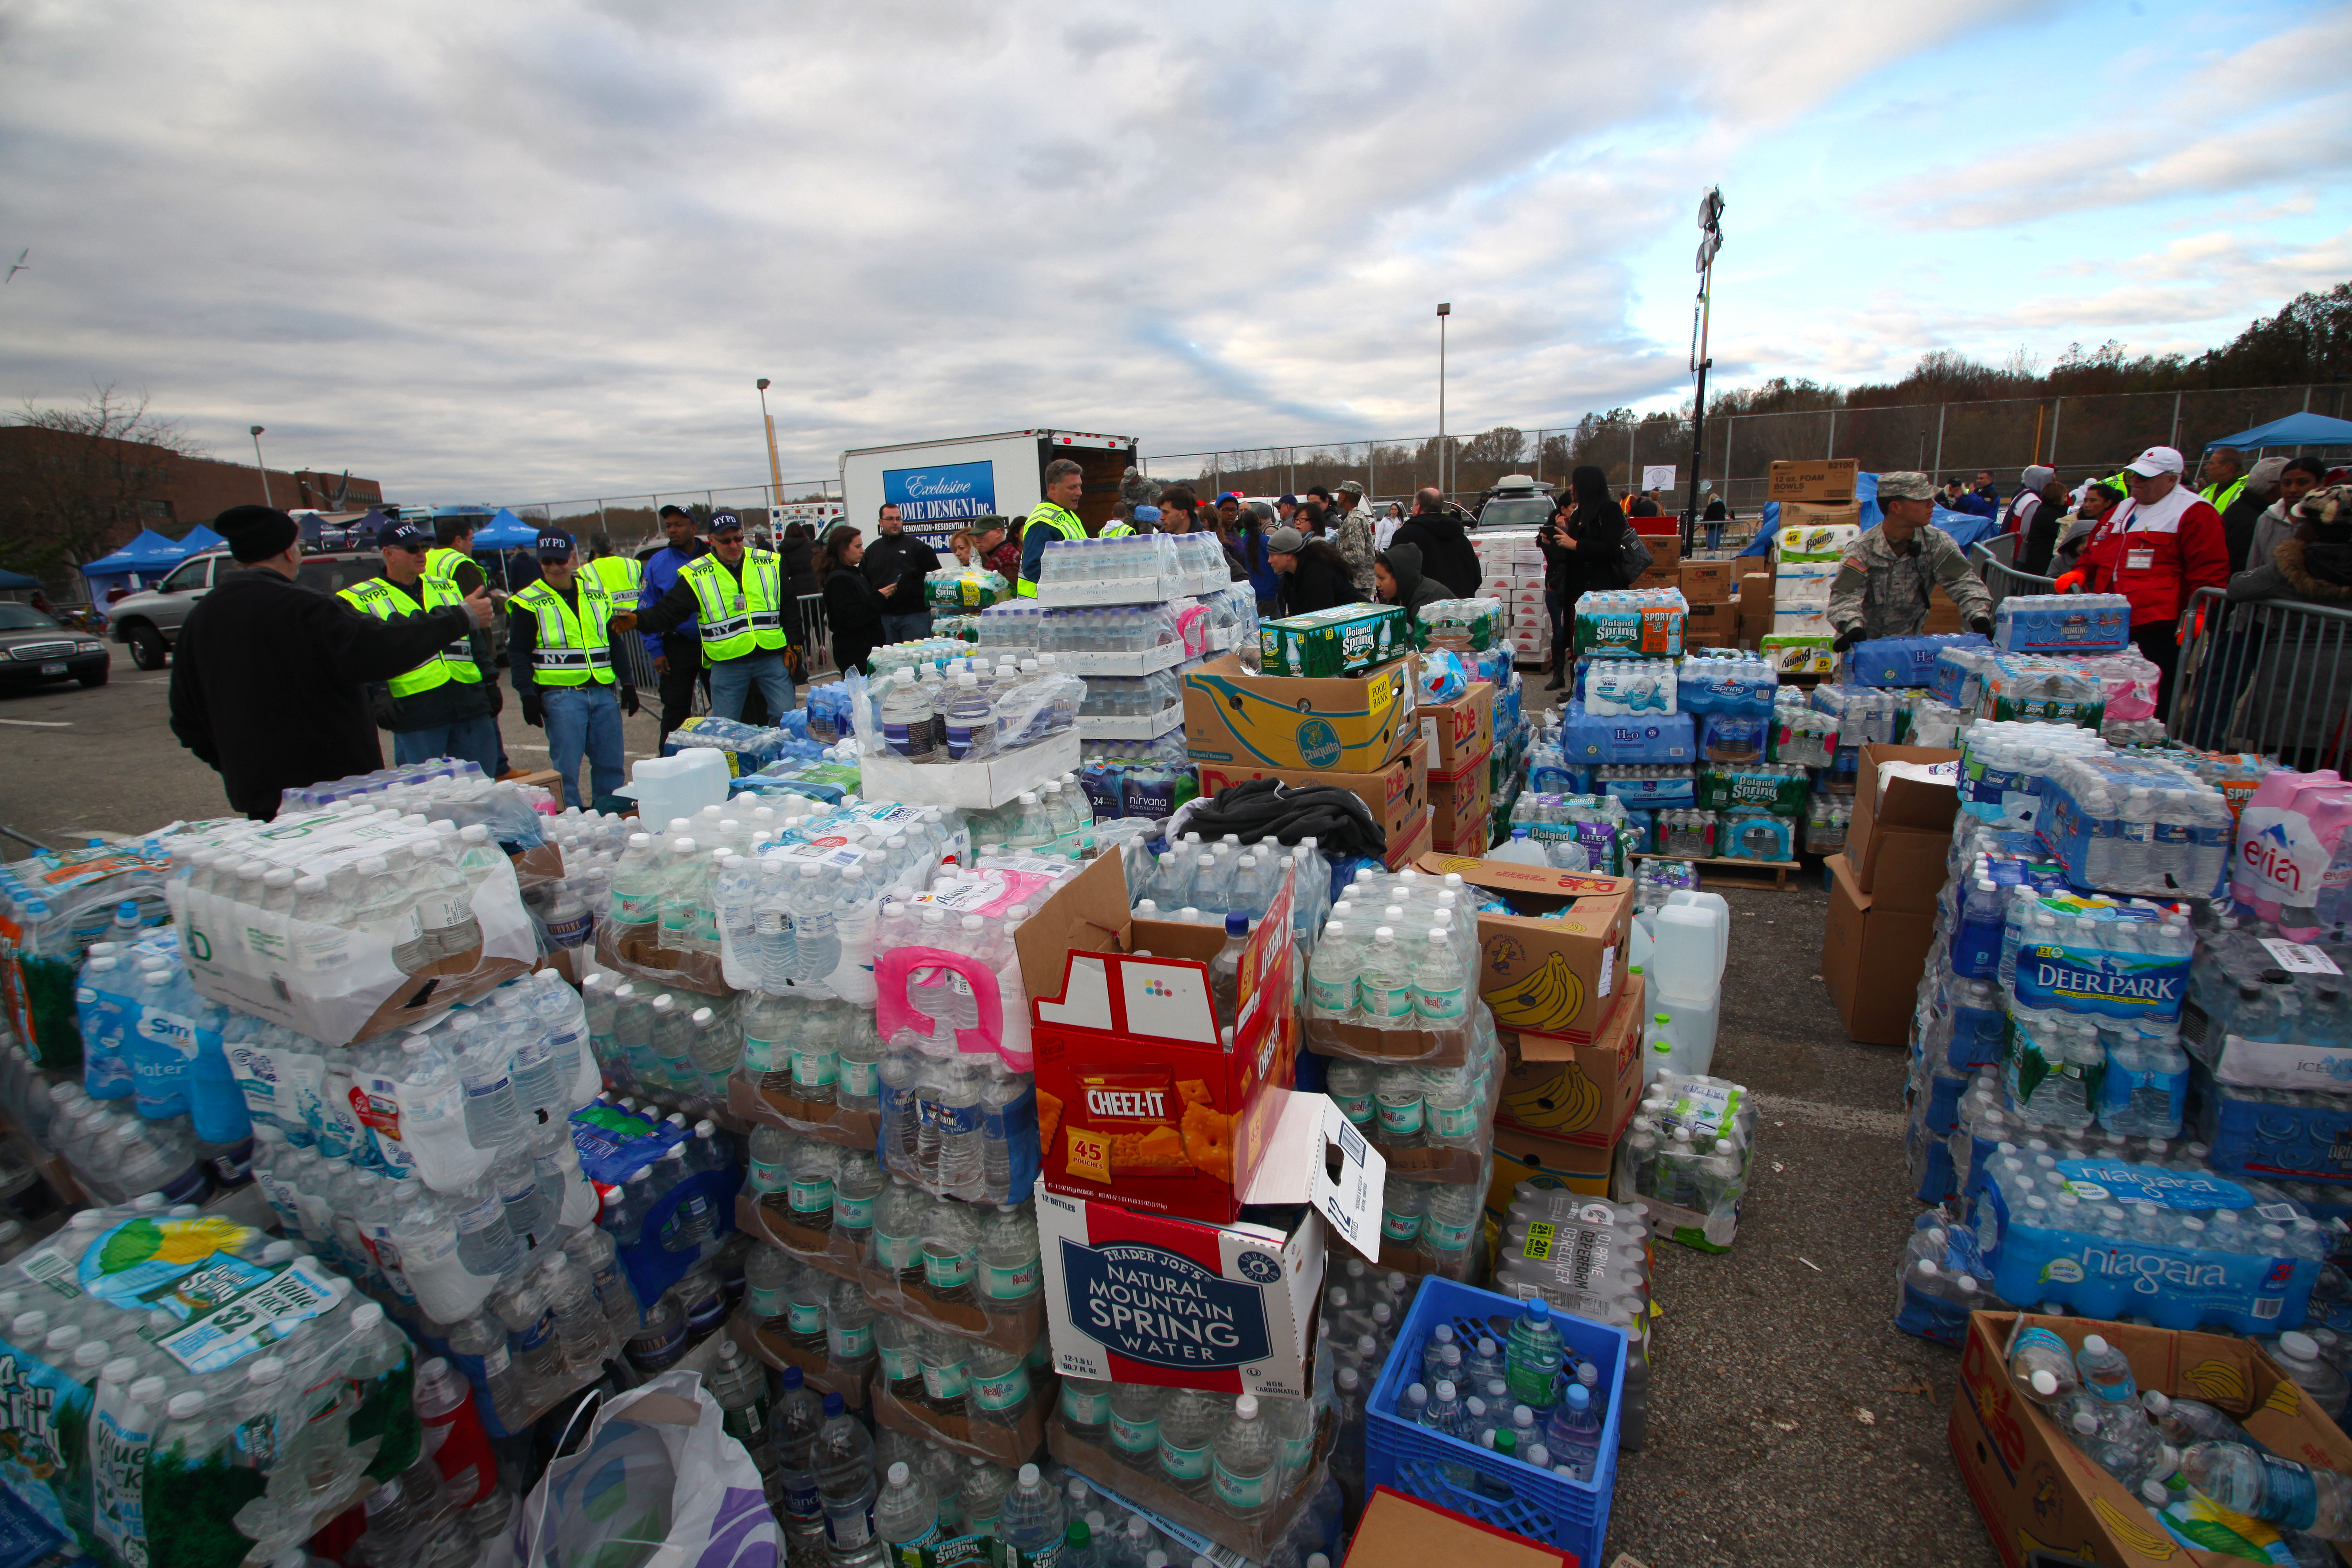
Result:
[1134,1297]
[2038,1492]
[1322,725]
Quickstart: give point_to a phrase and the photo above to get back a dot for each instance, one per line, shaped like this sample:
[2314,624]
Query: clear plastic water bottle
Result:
[1245,1475]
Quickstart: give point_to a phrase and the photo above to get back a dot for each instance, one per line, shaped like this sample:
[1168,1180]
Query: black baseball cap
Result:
[554,544]
[405,536]
[721,521]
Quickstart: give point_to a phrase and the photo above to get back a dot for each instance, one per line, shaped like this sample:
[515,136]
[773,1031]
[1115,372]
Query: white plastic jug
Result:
[669,787]
[1683,956]
[1691,897]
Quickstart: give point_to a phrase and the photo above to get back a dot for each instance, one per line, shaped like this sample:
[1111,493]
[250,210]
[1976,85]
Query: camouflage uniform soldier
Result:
[1352,532]
[1881,589]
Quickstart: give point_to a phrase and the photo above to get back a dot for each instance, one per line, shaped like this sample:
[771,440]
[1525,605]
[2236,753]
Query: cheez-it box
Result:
[1138,1098]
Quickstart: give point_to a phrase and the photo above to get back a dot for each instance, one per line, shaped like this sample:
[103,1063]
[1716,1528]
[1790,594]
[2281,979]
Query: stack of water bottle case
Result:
[2127,1052]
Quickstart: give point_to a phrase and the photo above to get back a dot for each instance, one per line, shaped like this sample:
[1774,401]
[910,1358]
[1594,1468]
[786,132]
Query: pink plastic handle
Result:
[893,1011]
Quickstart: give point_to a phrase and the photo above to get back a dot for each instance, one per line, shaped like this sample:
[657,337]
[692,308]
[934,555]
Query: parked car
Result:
[1515,500]
[149,621]
[34,648]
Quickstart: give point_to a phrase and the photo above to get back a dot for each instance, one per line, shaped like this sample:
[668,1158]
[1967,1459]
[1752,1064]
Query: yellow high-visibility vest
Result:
[383,598]
[573,649]
[622,576]
[741,611]
[1062,520]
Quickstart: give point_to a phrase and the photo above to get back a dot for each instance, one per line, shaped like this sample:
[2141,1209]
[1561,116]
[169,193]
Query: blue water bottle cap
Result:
[833,1406]
[1236,924]
[1539,1311]
[794,1377]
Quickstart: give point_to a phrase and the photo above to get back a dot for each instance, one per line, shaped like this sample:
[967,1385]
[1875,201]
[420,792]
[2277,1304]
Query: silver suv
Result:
[149,621]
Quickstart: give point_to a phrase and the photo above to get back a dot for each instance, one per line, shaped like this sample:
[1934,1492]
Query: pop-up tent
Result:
[505,530]
[202,537]
[142,560]
[2294,430]
[17,581]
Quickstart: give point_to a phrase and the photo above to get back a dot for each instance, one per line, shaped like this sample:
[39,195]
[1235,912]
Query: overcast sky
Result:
[514,252]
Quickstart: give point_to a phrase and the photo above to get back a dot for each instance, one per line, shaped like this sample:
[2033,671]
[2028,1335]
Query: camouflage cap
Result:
[1905,484]
[2330,505]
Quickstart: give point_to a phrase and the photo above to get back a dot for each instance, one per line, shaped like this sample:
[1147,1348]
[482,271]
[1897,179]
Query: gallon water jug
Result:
[1696,899]
[1686,982]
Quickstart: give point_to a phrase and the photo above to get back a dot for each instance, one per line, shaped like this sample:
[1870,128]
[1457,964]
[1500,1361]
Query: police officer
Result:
[1054,519]
[621,575]
[738,597]
[448,705]
[560,645]
[1882,583]
[451,558]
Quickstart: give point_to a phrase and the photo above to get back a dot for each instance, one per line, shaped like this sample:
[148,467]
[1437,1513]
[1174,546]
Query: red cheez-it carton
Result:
[1138,1099]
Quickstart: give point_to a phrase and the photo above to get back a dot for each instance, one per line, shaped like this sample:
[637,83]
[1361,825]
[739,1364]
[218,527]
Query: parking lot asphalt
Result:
[1790,1422]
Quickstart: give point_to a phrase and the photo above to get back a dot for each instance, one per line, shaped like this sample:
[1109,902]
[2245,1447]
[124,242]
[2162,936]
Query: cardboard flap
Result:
[1163,998]
[1907,802]
[1315,1157]
[1088,914]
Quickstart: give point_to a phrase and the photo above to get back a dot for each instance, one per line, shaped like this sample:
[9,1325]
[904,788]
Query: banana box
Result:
[1557,965]
[1321,725]
[2039,1493]
[1567,1093]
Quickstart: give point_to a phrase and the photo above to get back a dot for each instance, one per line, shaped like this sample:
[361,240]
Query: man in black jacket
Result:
[270,677]
[896,556]
[1446,553]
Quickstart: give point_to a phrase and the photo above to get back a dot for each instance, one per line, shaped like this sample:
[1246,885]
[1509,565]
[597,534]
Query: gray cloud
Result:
[505,251]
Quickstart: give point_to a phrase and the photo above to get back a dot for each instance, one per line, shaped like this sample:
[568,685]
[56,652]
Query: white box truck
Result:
[939,487]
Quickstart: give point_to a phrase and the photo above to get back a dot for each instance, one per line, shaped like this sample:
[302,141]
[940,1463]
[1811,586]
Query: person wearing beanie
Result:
[270,676]
[1310,571]
[1882,583]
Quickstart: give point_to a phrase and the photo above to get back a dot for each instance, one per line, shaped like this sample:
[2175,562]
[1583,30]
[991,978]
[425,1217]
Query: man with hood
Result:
[1446,553]
[2296,703]
[1396,573]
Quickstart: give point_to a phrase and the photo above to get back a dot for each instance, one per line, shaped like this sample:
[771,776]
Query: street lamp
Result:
[1443,310]
[775,469]
[263,467]
[1710,229]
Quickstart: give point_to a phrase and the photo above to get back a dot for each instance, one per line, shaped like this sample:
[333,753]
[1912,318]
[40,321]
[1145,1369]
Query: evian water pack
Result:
[2292,861]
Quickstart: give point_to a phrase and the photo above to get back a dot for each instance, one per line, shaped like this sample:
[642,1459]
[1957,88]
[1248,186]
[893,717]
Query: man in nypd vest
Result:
[560,646]
[737,593]
[448,706]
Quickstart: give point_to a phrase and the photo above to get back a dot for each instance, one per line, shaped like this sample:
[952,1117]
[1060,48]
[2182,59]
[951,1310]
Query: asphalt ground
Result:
[1790,1423]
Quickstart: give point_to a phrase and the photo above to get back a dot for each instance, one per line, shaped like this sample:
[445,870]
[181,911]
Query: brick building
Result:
[114,488]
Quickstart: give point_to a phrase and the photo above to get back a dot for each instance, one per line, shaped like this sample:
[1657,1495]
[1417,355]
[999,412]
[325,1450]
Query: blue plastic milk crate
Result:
[1570,1516]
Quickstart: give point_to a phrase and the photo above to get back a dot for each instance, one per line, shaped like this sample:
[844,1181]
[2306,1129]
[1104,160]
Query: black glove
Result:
[1845,640]
[534,712]
[629,700]
[1980,624]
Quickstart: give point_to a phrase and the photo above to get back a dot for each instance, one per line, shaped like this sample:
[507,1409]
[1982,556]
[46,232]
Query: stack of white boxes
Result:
[1805,563]
[1511,568]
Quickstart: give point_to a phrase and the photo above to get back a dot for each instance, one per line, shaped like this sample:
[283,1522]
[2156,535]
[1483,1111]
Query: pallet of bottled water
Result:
[1803,734]
[1908,661]
[2054,688]
[2003,764]
[1432,1124]
[1632,623]
[2269,1023]
[1686,1157]
[1393,976]
[2148,1230]
[259,1394]
[1125,640]
[330,921]
[1621,688]
[2061,623]
[1135,569]
[1540,1462]
[1131,708]
[1577,832]
[2134,823]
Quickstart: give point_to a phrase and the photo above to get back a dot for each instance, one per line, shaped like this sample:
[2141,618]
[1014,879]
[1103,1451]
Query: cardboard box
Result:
[1397,792]
[1398,1532]
[1196,1523]
[1827,479]
[1899,840]
[1716,619]
[2039,1493]
[1871,961]
[1137,1095]
[1808,514]
[1462,803]
[768,1217]
[1008,1445]
[1557,976]
[1530,1156]
[1460,728]
[1348,639]
[1707,581]
[766,1098]
[1314,725]
[1570,1093]
[1412,846]
[1136,1297]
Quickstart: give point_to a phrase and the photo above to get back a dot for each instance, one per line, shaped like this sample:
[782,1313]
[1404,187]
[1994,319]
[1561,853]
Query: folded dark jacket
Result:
[1340,822]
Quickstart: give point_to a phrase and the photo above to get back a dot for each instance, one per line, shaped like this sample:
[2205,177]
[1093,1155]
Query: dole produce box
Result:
[1132,1297]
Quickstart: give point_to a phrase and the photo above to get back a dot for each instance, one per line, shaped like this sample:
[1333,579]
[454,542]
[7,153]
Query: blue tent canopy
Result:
[16,581]
[202,537]
[2294,430]
[506,532]
[151,552]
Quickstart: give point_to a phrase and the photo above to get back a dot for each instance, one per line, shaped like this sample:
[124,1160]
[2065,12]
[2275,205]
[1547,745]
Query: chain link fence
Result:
[2082,437]
[633,523]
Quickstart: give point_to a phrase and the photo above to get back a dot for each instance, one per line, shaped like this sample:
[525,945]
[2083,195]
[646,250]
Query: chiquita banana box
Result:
[1558,966]
[1577,1094]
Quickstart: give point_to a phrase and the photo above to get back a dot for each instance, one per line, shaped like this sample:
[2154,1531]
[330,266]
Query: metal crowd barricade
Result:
[2272,675]
[814,637]
[2000,578]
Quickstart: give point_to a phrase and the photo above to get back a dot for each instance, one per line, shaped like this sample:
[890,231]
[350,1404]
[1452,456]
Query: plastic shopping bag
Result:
[657,1485]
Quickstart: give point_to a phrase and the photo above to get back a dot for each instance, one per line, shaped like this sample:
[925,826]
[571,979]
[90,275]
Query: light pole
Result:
[1443,310]
[1710,226]
[775,469]
[263,467]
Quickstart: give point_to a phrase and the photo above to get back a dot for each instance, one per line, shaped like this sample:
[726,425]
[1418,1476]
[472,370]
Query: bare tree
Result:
[75,475]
